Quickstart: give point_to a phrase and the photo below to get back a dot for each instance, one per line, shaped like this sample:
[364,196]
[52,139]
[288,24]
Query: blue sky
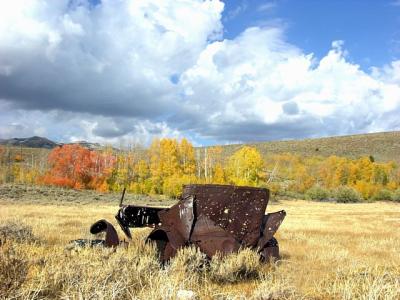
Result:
[369,28]
[215,72]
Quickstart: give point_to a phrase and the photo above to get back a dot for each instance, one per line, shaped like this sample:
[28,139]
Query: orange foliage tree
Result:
[169,163]
[74,166]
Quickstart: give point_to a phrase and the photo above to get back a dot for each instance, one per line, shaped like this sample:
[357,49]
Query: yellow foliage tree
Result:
[246,167]
[186,157]
[219,174]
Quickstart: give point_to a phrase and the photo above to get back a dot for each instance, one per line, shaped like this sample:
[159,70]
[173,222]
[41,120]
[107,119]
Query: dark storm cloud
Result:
[250,131]
[44,86]
[111,129]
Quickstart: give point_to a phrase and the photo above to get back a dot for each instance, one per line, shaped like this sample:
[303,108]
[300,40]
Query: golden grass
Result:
[329,251]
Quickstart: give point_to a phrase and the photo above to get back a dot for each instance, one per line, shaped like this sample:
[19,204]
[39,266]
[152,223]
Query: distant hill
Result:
[383,146]
[31,142]
[88,145]
[44,143]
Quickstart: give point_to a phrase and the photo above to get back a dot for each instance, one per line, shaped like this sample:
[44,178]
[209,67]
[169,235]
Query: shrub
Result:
[189,259]
[382,194]
[17,232]
[13,271]
[345,194]
[235,267]
[317,193]
[396,195]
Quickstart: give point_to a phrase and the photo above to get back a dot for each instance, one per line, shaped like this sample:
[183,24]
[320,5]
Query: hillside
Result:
[44,143]
[31,142]
[383,146]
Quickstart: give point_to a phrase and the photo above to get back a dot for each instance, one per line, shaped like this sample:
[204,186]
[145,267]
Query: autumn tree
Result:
[246,167]
[77,167]
[141,183]
[215,164]
[172,164]
[219,176]
[123,171]
[186,157]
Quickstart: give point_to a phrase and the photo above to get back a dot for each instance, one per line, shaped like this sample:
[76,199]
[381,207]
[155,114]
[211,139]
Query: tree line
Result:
[167,164]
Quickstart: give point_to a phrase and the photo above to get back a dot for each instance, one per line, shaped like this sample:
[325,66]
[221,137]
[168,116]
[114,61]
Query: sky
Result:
[123,72]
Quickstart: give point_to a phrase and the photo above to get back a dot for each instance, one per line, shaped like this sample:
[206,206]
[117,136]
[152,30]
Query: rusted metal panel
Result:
[111,239]
[211,238]
[271,223]
[238,210]
[175,227]
[180,217]
[167,242]
[270,250]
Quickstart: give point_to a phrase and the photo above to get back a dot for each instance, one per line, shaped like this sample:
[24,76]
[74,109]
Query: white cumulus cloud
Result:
[131,70]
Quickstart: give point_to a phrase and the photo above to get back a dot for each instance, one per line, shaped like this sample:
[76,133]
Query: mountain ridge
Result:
[30,142]
[44,143]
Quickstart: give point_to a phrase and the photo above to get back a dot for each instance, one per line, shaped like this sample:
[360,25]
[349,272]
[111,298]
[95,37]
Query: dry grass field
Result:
[329,251]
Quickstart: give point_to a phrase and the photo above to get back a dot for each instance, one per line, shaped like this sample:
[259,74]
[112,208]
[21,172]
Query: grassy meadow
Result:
[329,251]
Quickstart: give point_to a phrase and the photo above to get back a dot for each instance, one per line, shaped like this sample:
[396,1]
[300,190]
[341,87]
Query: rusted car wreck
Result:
[215,218]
